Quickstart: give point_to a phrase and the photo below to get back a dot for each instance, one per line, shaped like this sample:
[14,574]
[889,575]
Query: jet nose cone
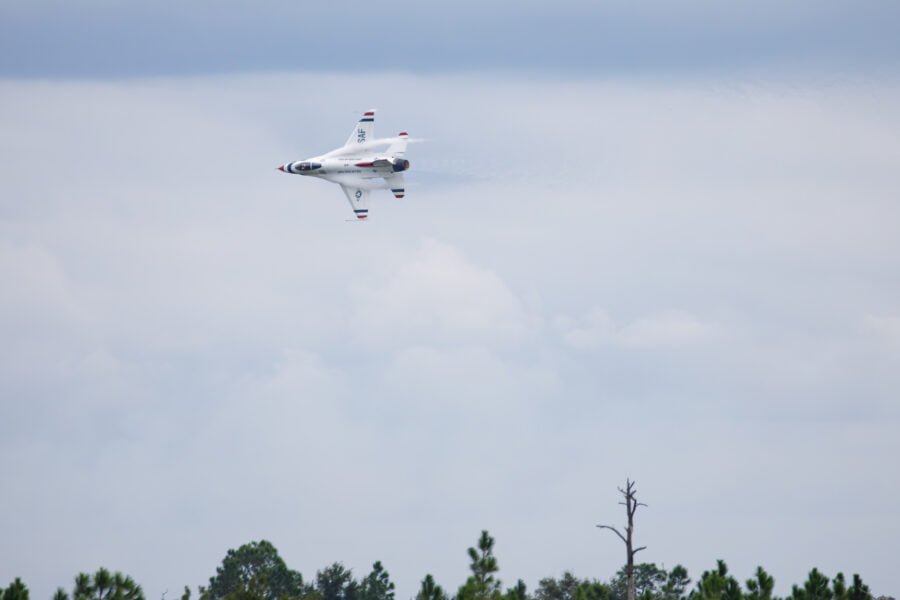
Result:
[281,168]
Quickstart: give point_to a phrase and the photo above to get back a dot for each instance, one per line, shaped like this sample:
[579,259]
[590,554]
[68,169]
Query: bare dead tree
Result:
[631,505]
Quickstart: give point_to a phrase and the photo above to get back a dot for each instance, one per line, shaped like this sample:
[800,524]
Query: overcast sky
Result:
[656,242]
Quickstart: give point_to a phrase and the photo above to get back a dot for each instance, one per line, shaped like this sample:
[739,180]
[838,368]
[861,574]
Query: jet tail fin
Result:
[364,130]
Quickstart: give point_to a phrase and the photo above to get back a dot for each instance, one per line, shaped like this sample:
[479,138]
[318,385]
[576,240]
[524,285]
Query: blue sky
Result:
[646,242]
[103,38]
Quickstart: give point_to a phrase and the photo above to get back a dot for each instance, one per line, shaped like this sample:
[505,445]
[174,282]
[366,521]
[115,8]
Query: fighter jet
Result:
[361,165]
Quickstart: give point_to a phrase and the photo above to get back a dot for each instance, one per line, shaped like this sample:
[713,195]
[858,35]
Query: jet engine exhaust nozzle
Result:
[400,164]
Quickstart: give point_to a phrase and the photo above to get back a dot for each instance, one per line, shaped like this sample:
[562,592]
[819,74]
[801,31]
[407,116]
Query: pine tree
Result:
[17,590]
[430,590]
[761,586]
[377,585]
[481,585]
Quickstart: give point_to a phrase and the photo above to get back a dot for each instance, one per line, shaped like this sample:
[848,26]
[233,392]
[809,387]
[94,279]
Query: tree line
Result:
[255,571]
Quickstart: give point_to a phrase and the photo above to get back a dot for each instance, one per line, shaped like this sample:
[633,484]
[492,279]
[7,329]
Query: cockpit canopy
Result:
[304,166]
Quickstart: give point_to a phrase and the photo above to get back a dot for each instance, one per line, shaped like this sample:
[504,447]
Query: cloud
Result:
[700,272]
[886,327]
[668,328]
[436,296]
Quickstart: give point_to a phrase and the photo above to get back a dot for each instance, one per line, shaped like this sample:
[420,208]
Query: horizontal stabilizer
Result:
[398,146]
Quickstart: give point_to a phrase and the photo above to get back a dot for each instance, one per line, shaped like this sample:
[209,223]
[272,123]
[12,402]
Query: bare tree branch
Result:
[636,550]
[614,530]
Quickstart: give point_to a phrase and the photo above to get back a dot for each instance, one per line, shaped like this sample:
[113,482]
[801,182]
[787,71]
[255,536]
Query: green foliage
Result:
[648,581]
[676,584]
[481,585]
[253,572]
[815,588]
[17,590]
[761,586]
[430,590]
[859,590]
[377,585]
[564,588]
[484,563]
[517,592]
[839,587]
[82,590]
[717,585]
[569,587]
[335,582]
[592,590]
[104,585]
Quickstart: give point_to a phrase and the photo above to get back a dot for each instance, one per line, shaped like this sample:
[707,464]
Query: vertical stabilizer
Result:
[364,130]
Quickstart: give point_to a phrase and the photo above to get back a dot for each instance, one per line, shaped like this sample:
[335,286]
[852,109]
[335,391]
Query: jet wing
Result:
[359,200]
[364,130]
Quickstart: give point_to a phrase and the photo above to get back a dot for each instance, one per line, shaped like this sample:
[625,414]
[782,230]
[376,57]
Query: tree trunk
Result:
[631,504]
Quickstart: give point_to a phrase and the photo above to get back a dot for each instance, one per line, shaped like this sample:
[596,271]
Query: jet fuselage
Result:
[362,164]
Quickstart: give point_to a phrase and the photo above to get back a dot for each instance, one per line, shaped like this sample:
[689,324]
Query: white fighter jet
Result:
[363,164]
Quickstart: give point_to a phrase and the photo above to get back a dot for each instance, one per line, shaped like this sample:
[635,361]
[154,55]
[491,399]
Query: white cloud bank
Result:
[668,328]
[197,350]
[435,296]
